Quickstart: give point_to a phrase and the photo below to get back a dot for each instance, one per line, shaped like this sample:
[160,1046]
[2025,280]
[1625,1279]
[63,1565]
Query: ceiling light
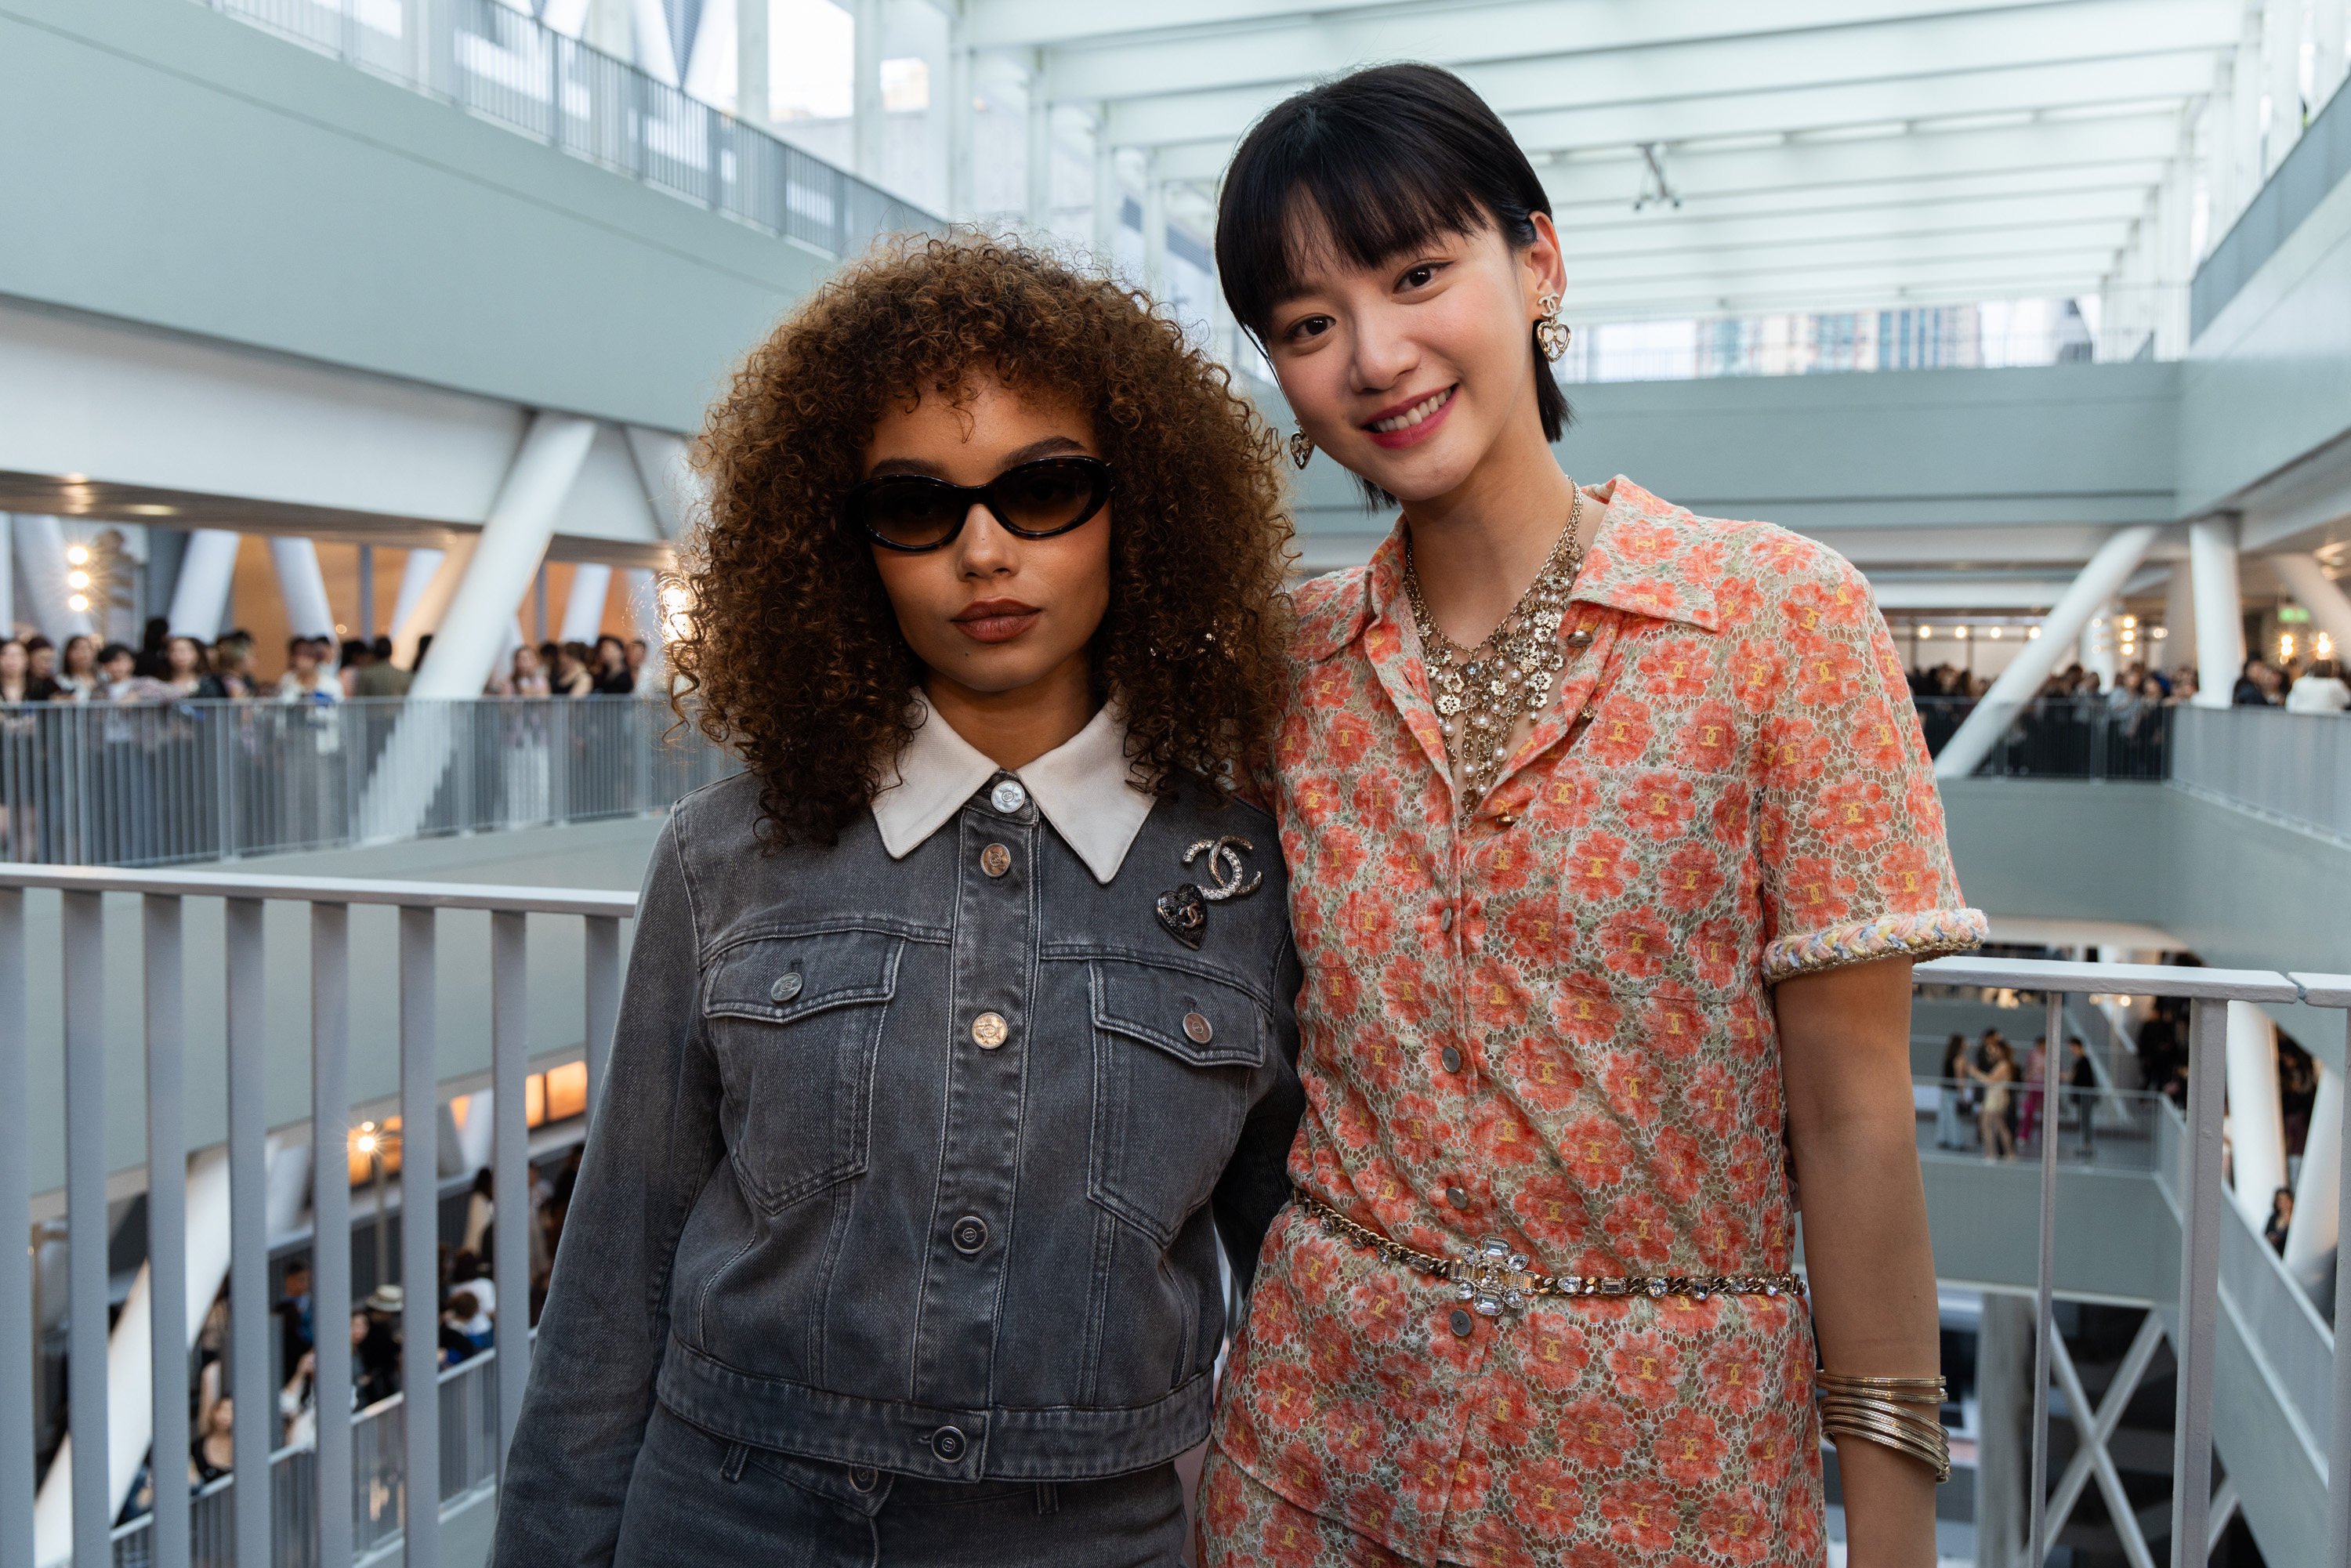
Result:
[78,603]
[78,554]
[151,509]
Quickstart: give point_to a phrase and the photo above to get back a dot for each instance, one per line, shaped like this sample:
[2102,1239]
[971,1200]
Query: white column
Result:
[2312,1236]
[2220,618]
[2098,640]
[2176,266]
[865,91]
[415,577]
[1040,151]
[2327,36]
[2256,1122]
[2245,110]
[511,544]
[2179,621]
[2282,73]
[41,553]
[206,571]
[754,97]
[2004,1374]
[610,28]
[2330,611]
[1154,225]
[8,576]
[583,612]
[302,586]
[656,55]
[1108,197]
[962,86]
[2107,570]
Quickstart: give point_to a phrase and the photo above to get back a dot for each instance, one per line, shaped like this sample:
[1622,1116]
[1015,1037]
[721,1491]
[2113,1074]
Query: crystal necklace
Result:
[1481,691]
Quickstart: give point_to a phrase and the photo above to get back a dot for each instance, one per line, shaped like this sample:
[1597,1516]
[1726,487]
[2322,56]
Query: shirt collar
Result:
[1646,556]
[1083,787]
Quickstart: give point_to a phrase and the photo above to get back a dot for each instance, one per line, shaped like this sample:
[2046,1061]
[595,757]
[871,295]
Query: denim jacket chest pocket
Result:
[1176,1054]
[795,1022]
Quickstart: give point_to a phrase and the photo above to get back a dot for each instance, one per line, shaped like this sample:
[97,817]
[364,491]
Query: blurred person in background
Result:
[42,654]
[573,678]
[307,678]
[185,674]
[638,652]
[2321,690]
[157,633]
[614,677]
[525,676]
[378,676]
[77,678]
[351,658]
[18,683]
[232,665]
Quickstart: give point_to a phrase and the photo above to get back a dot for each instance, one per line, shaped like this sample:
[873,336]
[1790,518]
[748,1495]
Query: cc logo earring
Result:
[1551,334]
[1301,448]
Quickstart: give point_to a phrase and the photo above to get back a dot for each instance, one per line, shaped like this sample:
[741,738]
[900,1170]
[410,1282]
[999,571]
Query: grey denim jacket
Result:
[820,1215]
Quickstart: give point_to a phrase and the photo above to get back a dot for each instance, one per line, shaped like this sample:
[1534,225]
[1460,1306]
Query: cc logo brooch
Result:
[1184,909]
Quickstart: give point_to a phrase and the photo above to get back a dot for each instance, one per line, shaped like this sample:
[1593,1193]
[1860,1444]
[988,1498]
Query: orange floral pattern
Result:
[1551,1024]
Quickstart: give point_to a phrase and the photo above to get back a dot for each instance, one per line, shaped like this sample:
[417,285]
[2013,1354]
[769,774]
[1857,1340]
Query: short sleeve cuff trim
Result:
[1929,934]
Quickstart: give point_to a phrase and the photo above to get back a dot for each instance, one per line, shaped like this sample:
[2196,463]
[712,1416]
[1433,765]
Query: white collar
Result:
[1081,786]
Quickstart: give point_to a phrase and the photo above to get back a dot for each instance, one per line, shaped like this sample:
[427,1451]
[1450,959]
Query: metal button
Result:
[947,1441]
[996,860]
[990,1031]
[1505,818]
[1457,1198]
[1008,797]
[1462,1325]
[1579,638]
[862,1478]
[969,1235]
[1452,1060]
[785,988]
[1197,1029]
[1444,918]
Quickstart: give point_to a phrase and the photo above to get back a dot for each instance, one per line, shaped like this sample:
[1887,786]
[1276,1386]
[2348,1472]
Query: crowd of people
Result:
[1986,1089]
[166,667]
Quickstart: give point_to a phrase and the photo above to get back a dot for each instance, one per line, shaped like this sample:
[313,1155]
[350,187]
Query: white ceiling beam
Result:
[1917,156]
[2159,78]
[1798,293]
[1630,234]
[1075,25]
[2093,183]
[1144,112]
[1849,254]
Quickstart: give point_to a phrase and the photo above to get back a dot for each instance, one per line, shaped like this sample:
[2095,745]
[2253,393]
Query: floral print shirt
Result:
[1550,1023]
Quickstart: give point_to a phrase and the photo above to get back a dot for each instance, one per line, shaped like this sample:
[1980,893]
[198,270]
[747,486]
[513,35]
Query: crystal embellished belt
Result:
[1492,1279]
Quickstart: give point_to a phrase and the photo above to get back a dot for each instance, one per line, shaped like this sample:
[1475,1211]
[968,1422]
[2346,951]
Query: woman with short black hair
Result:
[1614,839]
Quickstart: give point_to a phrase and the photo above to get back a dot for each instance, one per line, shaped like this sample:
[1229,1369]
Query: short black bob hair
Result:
[1385,158]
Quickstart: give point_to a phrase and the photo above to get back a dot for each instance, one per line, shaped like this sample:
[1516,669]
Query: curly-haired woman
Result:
[1613,840]
[957,1029]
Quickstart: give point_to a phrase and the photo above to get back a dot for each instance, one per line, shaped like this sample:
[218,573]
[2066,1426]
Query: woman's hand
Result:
[1845,1044]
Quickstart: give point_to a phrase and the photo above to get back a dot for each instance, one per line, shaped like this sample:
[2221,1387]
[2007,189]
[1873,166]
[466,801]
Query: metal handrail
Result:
[84,981]
[501,63]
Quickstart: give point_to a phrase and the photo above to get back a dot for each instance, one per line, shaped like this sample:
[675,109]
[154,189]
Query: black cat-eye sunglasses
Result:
[914,512]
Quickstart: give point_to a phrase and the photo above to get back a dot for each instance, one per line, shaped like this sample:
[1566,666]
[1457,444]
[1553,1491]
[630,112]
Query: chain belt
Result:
[1492,1279]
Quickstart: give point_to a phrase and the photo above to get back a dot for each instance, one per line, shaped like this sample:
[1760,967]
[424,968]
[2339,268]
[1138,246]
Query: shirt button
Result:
[1008,797]
[990,1031]
[1452,1060]
[1462,1325]
[947,1441]
[1197,1029]
[970,1234]
[785,988]
[1444,918]
[996,860]
[1457,1198]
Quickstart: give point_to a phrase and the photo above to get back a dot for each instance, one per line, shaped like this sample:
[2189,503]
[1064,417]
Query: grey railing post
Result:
[511,1166]
[420,1260]
[330,1230]
[83,934]
[248,1203]
[2045,1320]
[167,1217]
[15,1259]
[2199,1283]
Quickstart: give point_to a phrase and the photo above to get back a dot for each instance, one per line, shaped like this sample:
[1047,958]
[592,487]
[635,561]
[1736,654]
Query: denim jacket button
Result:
[996,860]
[969,1235]
[862,1478]
[1197,1029]
[785,988]
[990,1031]
[947,1443]
[1008,797]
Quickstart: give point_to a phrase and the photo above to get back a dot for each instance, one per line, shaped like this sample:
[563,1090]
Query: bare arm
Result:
[1844,1043]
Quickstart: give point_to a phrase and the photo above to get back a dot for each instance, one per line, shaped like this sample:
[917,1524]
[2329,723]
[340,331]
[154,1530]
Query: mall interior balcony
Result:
[351,356]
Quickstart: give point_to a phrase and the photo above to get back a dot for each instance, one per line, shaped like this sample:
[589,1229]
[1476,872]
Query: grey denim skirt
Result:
[702,1500]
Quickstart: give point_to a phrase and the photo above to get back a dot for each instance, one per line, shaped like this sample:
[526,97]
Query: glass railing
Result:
[2316,165]
[2062,737]
[2293,766]
[501,63]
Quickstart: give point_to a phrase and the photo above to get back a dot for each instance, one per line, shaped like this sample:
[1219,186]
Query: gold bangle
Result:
[1897,1413]
[1893,1387]
[1935,1455]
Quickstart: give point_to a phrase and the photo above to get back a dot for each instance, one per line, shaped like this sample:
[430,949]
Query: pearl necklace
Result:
[1481,691]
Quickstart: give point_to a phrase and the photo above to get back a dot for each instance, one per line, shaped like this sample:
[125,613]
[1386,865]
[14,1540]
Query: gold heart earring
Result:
[1301,448]
[1551,334]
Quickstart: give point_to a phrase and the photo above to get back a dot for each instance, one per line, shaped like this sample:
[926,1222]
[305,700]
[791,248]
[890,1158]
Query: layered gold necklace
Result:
[1480,691]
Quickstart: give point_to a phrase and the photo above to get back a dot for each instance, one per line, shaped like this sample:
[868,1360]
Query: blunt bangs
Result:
[1361,169]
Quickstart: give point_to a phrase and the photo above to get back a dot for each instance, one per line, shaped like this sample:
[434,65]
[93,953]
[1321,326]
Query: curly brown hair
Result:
[792,656]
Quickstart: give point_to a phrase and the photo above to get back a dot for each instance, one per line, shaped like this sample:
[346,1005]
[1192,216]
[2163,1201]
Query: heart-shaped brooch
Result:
[1184,909]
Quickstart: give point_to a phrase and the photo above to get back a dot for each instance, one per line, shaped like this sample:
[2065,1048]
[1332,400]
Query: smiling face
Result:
[989,612]
[1410,372]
